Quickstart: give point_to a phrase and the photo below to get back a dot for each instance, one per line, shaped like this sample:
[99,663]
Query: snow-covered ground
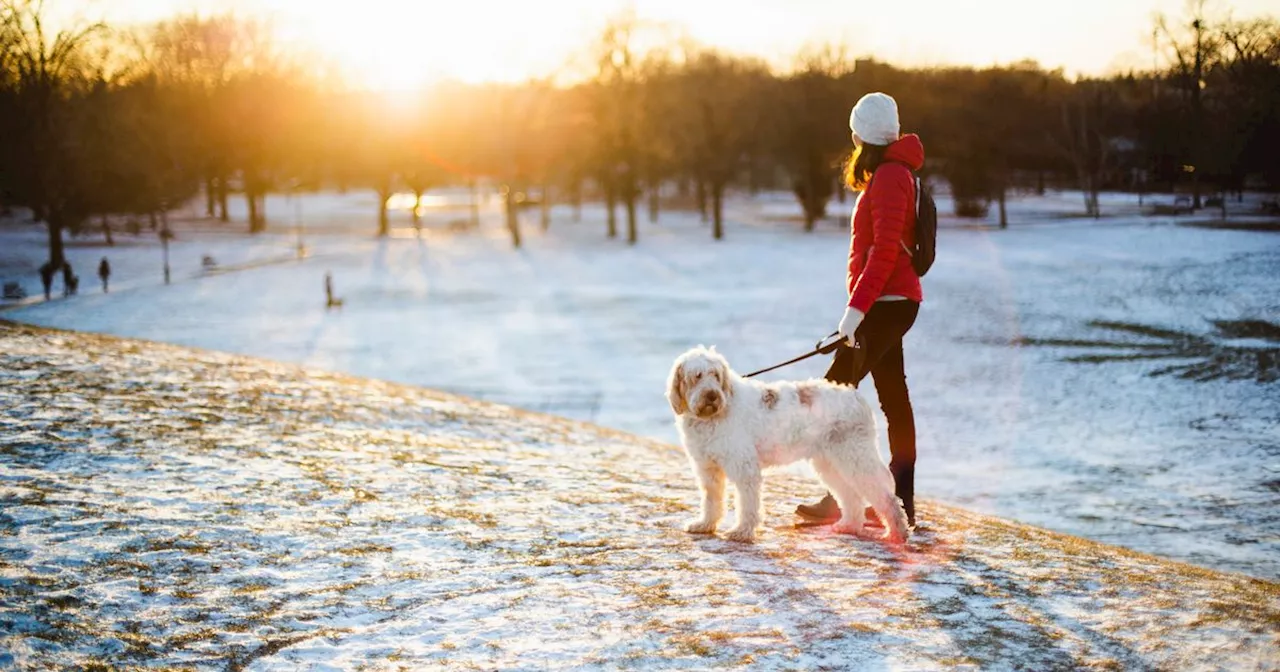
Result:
[173,509]
[586,327]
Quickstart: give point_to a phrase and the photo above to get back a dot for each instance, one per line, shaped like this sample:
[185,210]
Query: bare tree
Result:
[618,109]
[201,55]
[722,101]
[45,71]
[809,109]
[1193,48]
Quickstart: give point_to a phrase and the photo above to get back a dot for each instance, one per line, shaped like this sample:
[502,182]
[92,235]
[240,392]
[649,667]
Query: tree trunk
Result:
[106,232]
[653,203]
[475,203]
[210,198]
[1040,183]
[222,199]
[807,203]
[631,218]
[630,194]
[610,200]
[257,209]
[513,220]
[702,200]
[1197,114]
[577,201]
[840,190]
[545,220]
[253,212]
[151,216]
[1004,214]
[717,210]
[417,216]
[384,226]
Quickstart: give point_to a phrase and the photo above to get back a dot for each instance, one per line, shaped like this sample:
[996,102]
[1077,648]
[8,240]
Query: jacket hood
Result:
[908,149]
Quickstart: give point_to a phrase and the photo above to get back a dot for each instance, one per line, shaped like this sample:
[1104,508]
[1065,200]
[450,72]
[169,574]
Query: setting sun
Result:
[398,46]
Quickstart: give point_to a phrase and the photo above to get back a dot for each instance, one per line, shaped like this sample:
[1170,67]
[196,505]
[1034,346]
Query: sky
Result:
[400,43]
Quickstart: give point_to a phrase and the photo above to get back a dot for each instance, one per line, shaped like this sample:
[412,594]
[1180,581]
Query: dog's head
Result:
[700,383]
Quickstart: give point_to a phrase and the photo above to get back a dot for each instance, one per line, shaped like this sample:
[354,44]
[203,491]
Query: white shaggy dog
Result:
[735,427]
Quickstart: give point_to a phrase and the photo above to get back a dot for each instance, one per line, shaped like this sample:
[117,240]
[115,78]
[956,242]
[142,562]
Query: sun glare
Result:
[399,46]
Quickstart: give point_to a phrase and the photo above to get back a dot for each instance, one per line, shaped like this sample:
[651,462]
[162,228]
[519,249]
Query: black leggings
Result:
[880,354]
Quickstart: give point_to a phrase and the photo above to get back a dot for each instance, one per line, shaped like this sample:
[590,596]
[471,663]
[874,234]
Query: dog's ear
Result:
[726,385]
[675,390]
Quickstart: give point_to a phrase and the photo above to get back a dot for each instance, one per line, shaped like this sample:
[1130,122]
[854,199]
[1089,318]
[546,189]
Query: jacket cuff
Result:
[860,304]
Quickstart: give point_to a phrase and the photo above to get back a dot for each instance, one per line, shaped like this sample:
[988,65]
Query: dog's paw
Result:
[700,527]
[741,535]
[849,527]
[872,533]
[895,537]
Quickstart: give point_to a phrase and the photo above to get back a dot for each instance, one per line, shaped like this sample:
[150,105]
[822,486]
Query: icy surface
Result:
[175,508]
[1031,366]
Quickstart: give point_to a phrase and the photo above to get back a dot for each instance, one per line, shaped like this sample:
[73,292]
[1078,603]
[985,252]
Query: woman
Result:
[884,291]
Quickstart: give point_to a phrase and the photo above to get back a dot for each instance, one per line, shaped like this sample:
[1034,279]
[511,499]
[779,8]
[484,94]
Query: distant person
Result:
[330,301]
[69,279]
[47,270]
[884,290]
[104,272]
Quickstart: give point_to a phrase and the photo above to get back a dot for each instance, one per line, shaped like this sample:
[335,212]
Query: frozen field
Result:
[1031,365]
[173,509]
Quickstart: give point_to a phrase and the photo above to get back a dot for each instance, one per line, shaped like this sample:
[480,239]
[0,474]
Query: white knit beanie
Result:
[875,119]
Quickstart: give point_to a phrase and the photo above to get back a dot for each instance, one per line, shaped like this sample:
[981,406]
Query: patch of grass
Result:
[63,602]
[1212,357]
[480,518]
[692,644]
[188,638]
[653,596]
[250,588]
[365,549]
[185,543]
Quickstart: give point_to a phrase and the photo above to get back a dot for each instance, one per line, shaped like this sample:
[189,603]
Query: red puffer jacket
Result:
[883,220]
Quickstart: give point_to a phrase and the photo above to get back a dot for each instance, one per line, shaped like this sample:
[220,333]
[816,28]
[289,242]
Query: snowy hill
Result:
[165,506]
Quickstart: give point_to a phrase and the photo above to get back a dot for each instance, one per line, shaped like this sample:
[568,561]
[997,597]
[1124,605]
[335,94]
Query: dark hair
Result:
[862,164]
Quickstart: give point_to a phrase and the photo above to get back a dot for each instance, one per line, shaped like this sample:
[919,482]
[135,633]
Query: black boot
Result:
[905,488]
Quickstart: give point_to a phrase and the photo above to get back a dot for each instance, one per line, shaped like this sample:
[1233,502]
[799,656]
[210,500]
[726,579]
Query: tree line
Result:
[100,122]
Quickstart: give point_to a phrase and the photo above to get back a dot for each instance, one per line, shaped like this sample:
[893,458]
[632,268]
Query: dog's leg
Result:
[852,515]
[748,503]
[887,505]
[711,481]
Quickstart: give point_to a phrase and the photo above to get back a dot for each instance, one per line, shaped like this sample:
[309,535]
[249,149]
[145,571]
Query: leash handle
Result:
[828,348]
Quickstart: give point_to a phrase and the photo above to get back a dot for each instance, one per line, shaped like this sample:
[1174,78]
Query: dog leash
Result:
[819,349]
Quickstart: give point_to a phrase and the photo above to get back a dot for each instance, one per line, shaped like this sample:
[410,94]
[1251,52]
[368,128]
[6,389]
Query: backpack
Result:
[926,228]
